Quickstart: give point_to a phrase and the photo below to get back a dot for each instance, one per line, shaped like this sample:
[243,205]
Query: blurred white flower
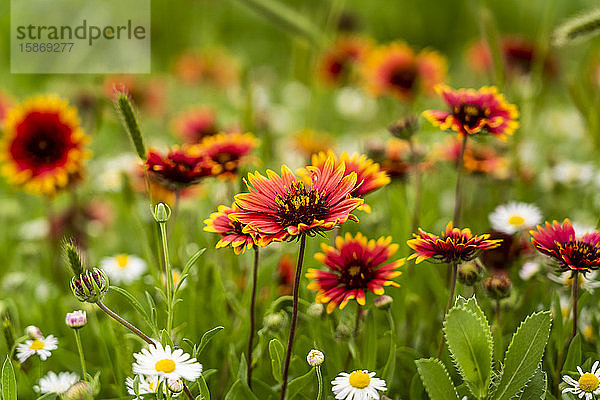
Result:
[570,173]
[514,217]
[53,383]
[529,269]
[295,95]
[111,171]
[35,229]
[587,282]
[123,268]
[581,229]
[353,103]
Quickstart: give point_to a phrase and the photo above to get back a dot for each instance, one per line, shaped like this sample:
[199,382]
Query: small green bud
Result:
[161,212]
[90,286]
[384,302]
[498,286]
[404,128]
[130,122]
[82,391]
[470,272]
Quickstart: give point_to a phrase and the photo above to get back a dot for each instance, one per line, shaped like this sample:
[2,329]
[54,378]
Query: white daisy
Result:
[162,362]
[588,384]
[40,346]
[514,217]
[123,268]
[587,282]
[357,385]
[529,269]
[56,383]
[147,385]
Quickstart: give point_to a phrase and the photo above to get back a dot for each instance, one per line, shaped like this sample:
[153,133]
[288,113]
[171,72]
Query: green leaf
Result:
[573,355]
[436,379]
[207,337]
[47,396]
[165,339]
[298,384]
[203,388]
[470,344]
[9,381]
[243,370]
[536,387]
[276,352]
[523,355]
[188,266]
[369,349]
[239,391]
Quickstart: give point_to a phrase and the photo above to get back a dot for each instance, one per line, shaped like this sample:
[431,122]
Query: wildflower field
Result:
[336,199]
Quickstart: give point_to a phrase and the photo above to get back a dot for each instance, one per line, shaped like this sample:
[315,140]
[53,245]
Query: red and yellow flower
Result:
[282,206]
[196,124]
[395,69]
[452,246]
[341,60]
[355,265]
[229,151]
[231,230]
[472,112]
[572,253]
[42,148]
[181,167]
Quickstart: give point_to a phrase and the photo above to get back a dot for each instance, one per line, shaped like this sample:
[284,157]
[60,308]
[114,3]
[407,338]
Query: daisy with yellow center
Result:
[42,148]
[587,385]
[123,268]
[156,361]
[357,385]
[515,217]
[147,385]
[41,346]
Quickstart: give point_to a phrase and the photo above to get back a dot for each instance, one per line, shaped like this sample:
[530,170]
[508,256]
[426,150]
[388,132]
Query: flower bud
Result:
[90,286]
[130,122]
[315,358]
[161,212]
[33,332]
[315,310]
[79,391]
[76,319]
[469,272]
[175,385]
[404,128]
[384,302]
[274,321]
[498,285]
[74,258]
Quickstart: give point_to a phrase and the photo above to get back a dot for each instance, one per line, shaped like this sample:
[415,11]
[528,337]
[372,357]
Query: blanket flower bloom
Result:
[475,111]
[453,245]
[181,167]
[355,265]
[572,253]
[229,151]
[42,148]
[282,206]
[231,230]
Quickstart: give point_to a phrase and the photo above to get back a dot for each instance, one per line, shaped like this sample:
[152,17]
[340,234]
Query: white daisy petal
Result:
[515,217]
[358,385]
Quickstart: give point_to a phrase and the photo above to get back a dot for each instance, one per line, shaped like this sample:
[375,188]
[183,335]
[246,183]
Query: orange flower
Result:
[196,124]
[43,145]
[395,69]
[231,230]
[341,60]
[229,151]
[180,168]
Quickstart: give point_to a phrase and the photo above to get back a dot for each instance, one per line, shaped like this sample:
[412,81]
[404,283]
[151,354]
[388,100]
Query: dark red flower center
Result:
[228,161]
[42,142]
[356,276]
[404,77]
[581,255]
[470,114]
[301,205]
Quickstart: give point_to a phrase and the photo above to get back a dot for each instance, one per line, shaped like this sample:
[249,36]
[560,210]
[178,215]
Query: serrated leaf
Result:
[535,388]
[470,344]
[276,352]
[9,381]
[523,355]
[573,355]
[298,384]
[207,337]
[436,380]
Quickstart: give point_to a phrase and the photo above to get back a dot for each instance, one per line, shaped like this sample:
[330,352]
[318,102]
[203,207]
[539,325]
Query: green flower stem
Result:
[80,350]
[320,380]
[288,353]
[252,306]
[169,275]
[454,267]
[575,296]
[123,322]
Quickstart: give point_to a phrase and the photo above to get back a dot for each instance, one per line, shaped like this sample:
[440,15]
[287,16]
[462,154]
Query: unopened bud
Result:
[273,321]
[469,272]
[79,391]
[130,122]
[315,310]
[404,128]
[74,258]
[498,285]
[76,319]
[90,286]
[175,385]
[33,332]
[315,358]
[161,212]
[384,302]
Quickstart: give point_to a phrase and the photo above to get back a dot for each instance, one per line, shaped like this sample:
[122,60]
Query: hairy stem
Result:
[126,324]
[296,290]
